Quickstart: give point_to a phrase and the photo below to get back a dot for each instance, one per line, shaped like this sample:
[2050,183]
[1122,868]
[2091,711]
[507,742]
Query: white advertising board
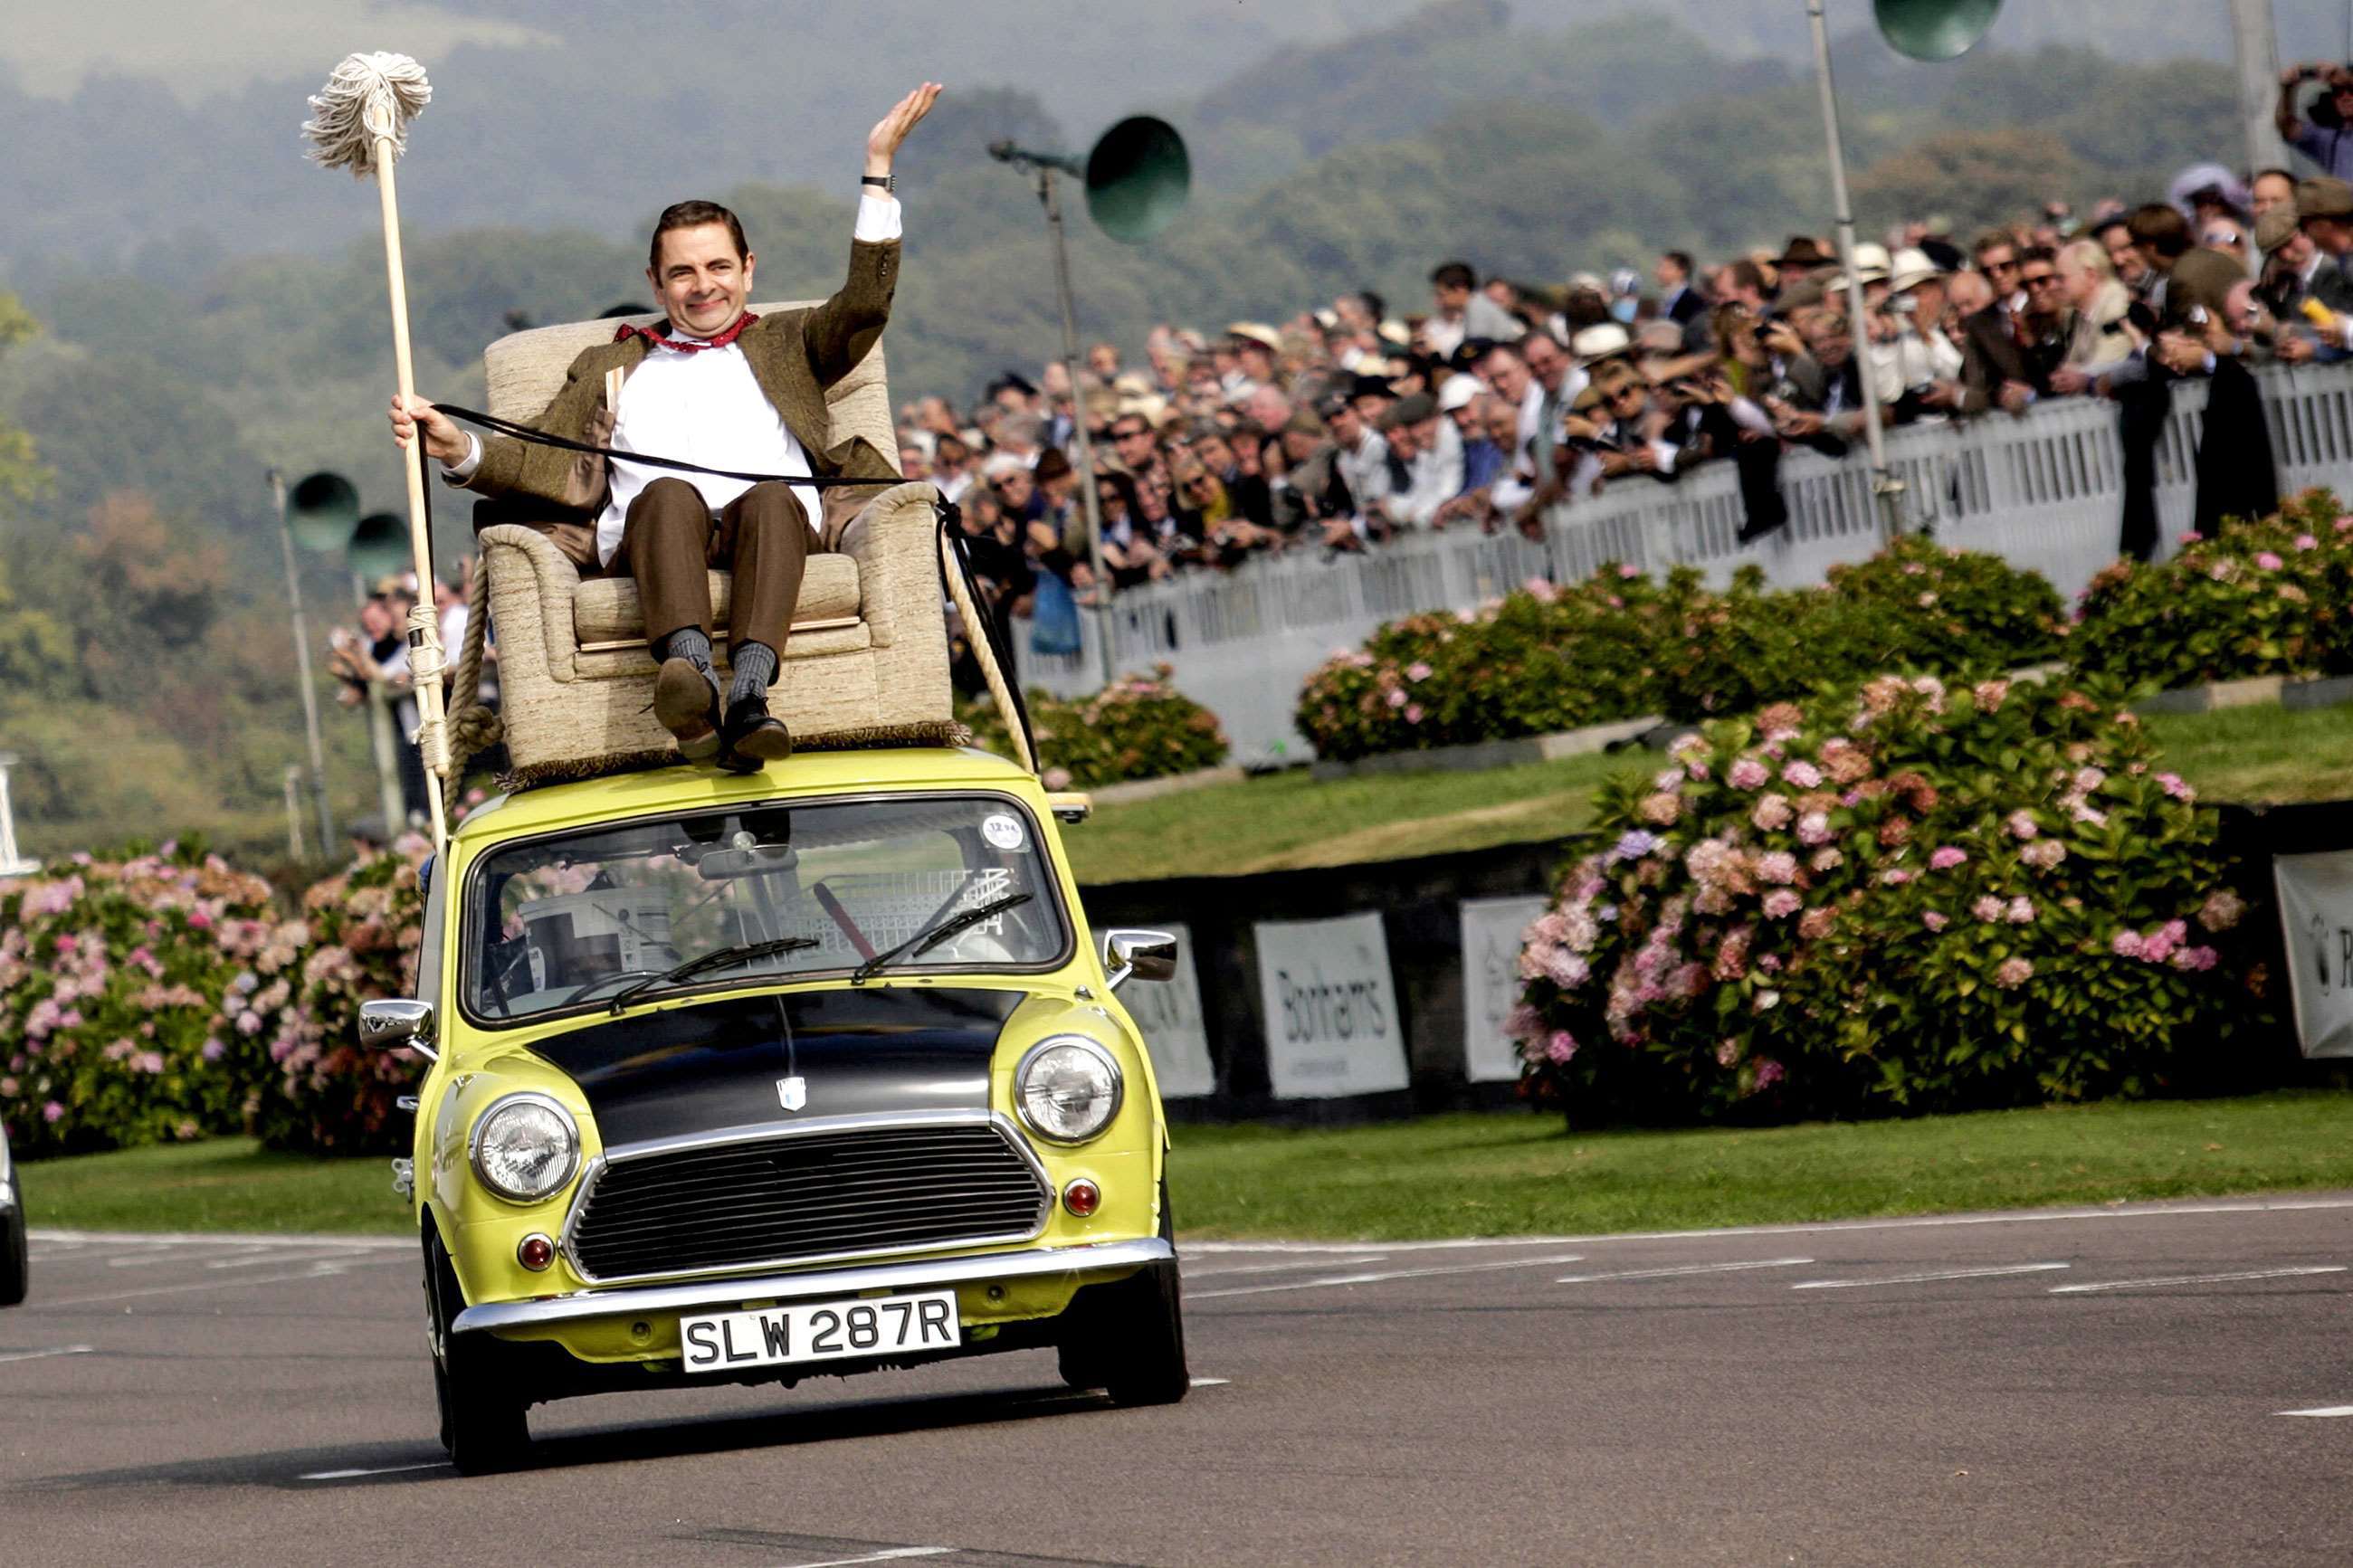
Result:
[1330,1008]
[1169,1014]
[1491,983]
[2315,897]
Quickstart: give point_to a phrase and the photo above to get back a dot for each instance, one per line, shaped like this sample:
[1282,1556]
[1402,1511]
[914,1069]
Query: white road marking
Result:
[220,1239]
[384,1470]
[315,1255]
[895,1554]
[1211,1382]
[1811,1227]
[2324,1410]
[2194,1279]
[37,1355]
[316,1271]
[1678,1269]
[1925,1279]
[1285,1268]
[1374,1279]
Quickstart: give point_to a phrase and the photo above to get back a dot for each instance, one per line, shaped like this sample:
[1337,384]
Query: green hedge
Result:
[1908,897]
[1618,645]
[2272,597]
[1138,727]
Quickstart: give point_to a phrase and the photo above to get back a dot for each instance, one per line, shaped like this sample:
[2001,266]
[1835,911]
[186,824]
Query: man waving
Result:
[721,388]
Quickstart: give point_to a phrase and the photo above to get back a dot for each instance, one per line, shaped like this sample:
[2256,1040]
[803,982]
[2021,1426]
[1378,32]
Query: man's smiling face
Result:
[701,282]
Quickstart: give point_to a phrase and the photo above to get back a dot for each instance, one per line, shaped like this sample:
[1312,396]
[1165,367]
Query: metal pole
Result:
[1885,489]
[2256,48]
[303,668]
[382,739]
[1050,195]
[294,811]
[11,863]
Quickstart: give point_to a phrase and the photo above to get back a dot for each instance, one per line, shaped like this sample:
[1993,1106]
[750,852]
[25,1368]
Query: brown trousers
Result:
[762,539]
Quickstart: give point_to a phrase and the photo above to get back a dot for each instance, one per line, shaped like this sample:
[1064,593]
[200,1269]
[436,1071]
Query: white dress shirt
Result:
[702,406]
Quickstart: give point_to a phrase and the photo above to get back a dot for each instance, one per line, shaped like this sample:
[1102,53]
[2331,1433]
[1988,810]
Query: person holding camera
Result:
[2327,137]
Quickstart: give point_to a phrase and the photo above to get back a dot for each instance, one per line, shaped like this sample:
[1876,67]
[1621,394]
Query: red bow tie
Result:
[659,339]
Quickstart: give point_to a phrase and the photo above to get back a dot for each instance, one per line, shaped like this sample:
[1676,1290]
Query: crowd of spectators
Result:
[1496,402]
[369,661]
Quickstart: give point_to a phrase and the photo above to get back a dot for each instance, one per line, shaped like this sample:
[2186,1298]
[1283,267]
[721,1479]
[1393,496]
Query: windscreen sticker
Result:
[1003,831]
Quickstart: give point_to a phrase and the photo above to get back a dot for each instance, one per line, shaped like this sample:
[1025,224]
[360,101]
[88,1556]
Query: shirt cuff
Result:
[1666,455]
[458,473]
[877,218]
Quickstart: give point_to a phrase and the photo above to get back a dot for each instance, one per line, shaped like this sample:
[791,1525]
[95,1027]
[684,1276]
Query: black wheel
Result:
[1128,1339]
[16,1264]
[482,1422]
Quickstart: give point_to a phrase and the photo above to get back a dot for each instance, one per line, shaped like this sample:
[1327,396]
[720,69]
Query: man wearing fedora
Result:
[717,385]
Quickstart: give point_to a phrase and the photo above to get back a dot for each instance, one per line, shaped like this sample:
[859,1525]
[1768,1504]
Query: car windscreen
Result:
[571,920]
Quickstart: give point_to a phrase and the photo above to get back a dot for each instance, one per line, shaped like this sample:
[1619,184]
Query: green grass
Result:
[1287,820]
[1471,1175]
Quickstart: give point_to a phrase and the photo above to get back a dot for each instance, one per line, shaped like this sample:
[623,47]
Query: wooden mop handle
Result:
[424,634]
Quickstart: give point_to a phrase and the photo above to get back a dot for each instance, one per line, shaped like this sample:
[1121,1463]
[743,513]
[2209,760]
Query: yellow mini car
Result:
[748,1078]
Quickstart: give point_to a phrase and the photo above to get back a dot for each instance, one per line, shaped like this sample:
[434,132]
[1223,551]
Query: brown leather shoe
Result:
[687,705]
[753,737]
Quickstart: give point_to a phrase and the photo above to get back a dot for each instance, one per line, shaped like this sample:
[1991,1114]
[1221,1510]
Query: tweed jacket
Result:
[795,355]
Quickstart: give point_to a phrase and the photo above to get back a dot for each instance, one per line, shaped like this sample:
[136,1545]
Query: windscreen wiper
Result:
[923,941]
[718,958]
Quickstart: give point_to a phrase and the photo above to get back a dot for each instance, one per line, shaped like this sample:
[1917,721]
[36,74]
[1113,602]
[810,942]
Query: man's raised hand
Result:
[444,442]
[883,142]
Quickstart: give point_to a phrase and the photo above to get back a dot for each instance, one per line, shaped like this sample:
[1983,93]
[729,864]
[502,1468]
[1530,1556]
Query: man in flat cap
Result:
[2324,209]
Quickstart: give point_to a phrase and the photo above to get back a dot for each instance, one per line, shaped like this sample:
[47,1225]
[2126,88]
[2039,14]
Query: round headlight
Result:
[525,1147]
[1068,1088]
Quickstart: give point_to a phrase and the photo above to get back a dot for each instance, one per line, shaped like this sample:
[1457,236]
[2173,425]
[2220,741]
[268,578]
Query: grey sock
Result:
[756,666]
[689,644]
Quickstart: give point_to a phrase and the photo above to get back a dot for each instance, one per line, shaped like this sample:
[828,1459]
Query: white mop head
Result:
[370,96]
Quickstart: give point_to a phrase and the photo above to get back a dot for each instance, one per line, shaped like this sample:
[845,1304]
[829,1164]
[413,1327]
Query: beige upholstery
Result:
[867,664]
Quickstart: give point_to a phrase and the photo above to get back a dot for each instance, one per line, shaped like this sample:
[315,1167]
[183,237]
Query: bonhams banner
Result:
[2316,895]
[1332,1024]
[1169,1014]
[1491,983]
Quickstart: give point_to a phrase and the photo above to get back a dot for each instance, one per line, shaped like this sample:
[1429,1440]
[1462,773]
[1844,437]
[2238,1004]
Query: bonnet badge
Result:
[792,1093]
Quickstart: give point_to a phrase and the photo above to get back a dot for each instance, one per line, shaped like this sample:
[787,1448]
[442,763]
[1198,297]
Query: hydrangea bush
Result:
[2267,597]
[111,976]
[297,1002]
[1618,646]
[1906,899]
[1138,727]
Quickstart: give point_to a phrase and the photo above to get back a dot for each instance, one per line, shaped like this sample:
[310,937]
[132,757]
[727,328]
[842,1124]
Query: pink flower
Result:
[1772,813]
[2021,912]
[2305,542]
[1781,904]
[1397,698]
[2268,562]
[2222,909]
[1987,908]
[214,1050]
[1927,600]
[1767,1000]
[2089,779]
[1057,778]
[1803,774]
[1933,920]
[7,1088]
[53,1112]
[1779,866]
[1727,1053]
[1416,670]
[1560,1048]
[2345,525]
[1413,713]
[1814,828]
[1947,857]
[2020,824]
[1747,773]
[2013,974]
[2174,785]
[1769,1072]
[1661,810]
[1827,860]
[1627,569]
[2196,958]
[1990,695]
[1895,877]
[2043,853]
[2125,945]
[200,921]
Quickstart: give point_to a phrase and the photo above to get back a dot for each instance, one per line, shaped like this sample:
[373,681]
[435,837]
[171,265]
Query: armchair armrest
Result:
[894,540]
[532,586]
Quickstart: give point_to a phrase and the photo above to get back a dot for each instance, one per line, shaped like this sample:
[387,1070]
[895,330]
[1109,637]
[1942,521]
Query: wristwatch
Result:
[885,182]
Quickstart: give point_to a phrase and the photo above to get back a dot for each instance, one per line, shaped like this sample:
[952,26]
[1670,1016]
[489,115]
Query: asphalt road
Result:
[2100,1388]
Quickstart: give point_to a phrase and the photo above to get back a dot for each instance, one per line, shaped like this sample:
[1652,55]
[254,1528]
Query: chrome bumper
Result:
[659,1300]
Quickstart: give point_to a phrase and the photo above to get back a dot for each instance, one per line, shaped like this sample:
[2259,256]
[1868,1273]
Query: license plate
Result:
[820,1330]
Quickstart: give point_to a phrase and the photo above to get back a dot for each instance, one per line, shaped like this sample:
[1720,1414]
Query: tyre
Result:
[15,1263]
[482,1422]
[1128,1339]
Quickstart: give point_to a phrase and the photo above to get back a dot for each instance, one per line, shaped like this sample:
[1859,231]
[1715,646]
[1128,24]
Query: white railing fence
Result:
[2045,490]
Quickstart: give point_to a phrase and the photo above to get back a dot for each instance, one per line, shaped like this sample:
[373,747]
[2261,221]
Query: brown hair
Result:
[694,214]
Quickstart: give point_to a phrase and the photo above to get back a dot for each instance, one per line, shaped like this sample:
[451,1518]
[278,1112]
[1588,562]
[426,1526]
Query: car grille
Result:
[807,1197]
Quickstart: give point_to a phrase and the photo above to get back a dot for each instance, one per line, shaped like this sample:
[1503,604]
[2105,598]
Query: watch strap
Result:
[880,182]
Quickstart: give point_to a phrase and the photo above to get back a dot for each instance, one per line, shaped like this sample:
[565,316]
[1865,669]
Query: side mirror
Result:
[1138,955]
[390,1025]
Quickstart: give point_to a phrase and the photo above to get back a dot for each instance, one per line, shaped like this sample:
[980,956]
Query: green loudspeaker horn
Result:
[1139,177]
[1935,29]
[379,546]
[320,510]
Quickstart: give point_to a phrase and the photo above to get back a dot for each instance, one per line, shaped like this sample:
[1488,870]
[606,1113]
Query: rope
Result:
[474,726]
